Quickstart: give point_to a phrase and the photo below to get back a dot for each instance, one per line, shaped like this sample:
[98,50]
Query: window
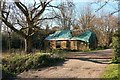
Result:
[58,44]
[81,44]
[68,44]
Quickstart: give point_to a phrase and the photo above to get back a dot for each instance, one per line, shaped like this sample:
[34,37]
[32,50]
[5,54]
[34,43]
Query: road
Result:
[77,65]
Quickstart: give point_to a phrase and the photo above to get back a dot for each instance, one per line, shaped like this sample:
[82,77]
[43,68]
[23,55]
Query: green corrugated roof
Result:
[84,36]
[87,36]
[60,35]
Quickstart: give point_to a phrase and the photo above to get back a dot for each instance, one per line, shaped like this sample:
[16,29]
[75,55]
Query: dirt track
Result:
[76,66]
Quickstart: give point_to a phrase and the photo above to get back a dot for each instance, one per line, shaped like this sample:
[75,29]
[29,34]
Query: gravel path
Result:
[72,68]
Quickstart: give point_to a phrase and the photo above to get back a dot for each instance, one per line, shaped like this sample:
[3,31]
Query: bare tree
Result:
[24,20]
[105,25]
[86,18]
[66,14]
[103,4]
[116,38]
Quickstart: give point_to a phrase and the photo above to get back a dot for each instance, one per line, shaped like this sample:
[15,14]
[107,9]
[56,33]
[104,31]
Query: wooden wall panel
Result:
[53,44]
[63,44]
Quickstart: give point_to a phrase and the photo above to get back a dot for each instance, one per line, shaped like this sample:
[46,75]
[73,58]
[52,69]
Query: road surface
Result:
[77,65]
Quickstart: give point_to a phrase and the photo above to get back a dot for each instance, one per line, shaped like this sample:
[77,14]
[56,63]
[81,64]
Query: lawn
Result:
[112,71]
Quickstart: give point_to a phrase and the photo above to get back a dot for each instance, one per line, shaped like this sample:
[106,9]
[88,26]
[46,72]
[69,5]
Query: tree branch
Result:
[47,18]
[24,28]
[115,12]
[53,6]
[44,5]
[33,10]
[101,6]
[14,29]
[22,7]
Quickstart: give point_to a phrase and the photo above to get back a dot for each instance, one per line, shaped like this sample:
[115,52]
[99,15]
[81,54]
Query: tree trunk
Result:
[28,45]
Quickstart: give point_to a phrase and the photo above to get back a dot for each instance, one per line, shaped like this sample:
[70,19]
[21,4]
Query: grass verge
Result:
[112,72]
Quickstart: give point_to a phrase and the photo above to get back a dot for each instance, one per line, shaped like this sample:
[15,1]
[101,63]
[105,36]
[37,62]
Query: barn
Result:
[60,39]
[84,41]
[64,39]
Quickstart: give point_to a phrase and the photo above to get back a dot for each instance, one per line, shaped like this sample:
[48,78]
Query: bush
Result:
[116,60]
[6,73]
[57,51]
[101,47]
[116,45]
[18,63]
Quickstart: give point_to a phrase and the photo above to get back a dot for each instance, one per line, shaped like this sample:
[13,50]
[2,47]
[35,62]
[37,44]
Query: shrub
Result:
[18,63]
[57,51]
[116,60]
[116,46]
[6,73]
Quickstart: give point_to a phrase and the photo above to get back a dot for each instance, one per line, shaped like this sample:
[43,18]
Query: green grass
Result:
[112,71]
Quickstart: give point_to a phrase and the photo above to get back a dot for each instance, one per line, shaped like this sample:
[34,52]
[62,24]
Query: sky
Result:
[80,4]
